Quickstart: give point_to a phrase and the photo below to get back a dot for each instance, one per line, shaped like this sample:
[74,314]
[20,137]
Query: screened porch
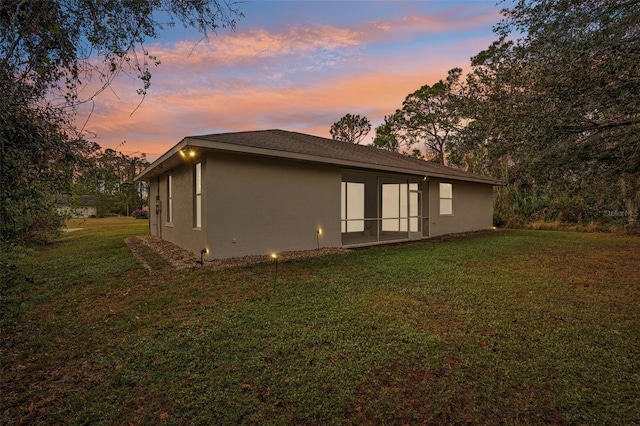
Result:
[378,208]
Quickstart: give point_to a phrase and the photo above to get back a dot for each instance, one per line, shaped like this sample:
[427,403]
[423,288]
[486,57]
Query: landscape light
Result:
[274,256]
[202,253]
[318,234]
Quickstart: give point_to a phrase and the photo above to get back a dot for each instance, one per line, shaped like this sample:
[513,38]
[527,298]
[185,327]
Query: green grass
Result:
[518,327]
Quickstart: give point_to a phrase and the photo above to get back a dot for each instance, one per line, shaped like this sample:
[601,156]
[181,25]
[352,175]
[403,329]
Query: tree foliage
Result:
[351,129]
[557,111]
[49,52]
[60,44]
[37,159]
[388,134]
[552,108]
[108,182]
[433,115]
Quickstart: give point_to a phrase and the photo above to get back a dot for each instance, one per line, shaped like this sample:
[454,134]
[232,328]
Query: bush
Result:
[44,227]
[140,214]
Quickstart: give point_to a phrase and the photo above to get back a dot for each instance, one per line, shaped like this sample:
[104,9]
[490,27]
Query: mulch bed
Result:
[180,259]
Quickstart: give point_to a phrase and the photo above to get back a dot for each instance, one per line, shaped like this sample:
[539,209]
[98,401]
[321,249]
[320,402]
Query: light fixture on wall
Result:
[187,154]
[318,234]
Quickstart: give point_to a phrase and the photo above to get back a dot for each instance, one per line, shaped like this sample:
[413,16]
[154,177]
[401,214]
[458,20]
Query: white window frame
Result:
[352,209]
[197,195]
[169,199]
[446,198]
[414,207]
[395,207]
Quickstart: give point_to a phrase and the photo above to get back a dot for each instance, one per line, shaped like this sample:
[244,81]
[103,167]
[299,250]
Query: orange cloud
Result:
[163,119]
[297,78]
[251,46]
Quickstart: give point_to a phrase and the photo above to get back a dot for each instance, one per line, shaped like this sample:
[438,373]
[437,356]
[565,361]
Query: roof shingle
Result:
[281,143]
[331,150]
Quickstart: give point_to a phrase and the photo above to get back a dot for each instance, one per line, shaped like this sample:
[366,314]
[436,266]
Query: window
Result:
[414,208]
[169,200]
[352,213]
[446,199]
[394,207]
[197,196]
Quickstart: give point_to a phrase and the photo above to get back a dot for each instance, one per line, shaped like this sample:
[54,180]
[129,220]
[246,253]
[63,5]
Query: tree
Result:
[433,115]
[35,161]
[109,181]
[387,134]
[49,52]
[351,129]
[560,105]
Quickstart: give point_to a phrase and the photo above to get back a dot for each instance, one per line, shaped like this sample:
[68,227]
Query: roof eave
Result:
[221,146]
[157,167]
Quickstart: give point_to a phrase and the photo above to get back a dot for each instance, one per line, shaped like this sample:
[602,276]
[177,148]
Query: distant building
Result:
[84,207]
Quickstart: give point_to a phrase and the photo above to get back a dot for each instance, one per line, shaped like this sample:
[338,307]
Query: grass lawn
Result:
[516,327]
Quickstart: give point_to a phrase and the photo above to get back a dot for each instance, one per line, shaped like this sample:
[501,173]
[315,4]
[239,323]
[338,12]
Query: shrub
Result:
[44,227]
[140,214]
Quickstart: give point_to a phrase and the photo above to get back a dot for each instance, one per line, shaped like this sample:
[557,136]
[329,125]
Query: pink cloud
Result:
[253,45]
[455,19]
[164,119]
[259,79]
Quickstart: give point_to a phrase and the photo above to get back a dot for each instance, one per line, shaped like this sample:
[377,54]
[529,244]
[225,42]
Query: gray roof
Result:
[303,147]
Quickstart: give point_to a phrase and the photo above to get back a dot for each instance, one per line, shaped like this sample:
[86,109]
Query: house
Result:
[258,192]
[82,207]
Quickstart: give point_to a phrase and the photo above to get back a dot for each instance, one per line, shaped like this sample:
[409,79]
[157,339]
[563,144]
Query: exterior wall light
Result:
[187,154]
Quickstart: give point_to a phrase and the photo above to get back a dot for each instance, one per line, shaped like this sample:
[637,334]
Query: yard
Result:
[511,326]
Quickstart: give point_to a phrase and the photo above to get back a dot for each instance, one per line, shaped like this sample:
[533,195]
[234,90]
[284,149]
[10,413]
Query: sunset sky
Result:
[292,65]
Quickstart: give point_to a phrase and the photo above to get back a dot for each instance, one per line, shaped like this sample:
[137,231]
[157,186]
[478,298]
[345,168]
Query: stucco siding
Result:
[259,205]
[472,208]
[180,230]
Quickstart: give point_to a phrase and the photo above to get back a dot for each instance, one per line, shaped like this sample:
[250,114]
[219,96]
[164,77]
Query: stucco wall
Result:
[472,208]
[180,231]
[258,205]
[154,211]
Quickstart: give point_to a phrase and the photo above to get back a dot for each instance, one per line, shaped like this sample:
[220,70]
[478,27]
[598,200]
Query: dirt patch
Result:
[180,258]
[148,256]
[71,229]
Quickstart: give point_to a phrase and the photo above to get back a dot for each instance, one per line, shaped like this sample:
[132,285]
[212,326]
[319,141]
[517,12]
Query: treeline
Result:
[40,192]
[107,183]
[551,108]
